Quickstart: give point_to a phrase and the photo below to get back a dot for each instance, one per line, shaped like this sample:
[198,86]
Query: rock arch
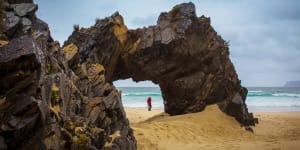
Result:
[183,54]
[63,98]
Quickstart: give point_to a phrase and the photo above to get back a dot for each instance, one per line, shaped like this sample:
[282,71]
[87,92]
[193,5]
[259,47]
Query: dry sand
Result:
[212,129]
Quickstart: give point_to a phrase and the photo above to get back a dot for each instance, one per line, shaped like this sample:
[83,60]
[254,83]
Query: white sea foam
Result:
[286,95]
[285,99]
[142,94]
[256,91]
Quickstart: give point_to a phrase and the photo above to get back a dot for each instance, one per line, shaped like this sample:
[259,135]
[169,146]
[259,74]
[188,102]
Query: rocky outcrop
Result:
[63,98]
[182,54]
[43,103]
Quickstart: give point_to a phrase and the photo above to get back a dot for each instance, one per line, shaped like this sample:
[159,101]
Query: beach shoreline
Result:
[212,129]
[254,109]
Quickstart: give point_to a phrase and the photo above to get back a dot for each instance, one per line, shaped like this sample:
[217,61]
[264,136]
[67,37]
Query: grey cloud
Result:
[264,35]
[283,10]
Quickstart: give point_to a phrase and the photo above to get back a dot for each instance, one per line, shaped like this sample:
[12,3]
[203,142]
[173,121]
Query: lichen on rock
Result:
[63,98]
[183,54]
[70,50]
[43,103]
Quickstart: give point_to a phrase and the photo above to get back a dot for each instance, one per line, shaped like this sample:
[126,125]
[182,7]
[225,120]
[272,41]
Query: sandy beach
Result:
[212,129]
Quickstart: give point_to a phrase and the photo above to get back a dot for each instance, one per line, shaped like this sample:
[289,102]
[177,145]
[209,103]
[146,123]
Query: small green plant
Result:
[54,96]
[48,71]
[76,27]
[211,29]
[226,43]
[97,20]
[175,13]
[225,49]
[204,19]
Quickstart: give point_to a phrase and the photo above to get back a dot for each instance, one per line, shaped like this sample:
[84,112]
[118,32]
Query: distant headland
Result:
[292,84]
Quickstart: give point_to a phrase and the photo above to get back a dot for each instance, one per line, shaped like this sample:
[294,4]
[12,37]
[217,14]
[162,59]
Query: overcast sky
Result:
[264,35]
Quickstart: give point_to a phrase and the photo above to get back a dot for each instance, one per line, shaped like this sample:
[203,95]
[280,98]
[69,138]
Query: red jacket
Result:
[149,101]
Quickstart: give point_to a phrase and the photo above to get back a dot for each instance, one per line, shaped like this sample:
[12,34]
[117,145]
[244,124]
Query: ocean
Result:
[259,99]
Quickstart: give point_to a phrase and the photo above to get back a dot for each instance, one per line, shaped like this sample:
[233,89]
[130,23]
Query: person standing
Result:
[149,102]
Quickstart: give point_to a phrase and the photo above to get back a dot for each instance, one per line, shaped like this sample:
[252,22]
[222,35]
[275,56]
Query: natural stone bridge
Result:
[63,98]
[183,54]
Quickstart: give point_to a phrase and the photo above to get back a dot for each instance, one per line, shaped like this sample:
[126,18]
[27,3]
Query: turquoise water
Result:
[258,98]
[273,99]
[137,96]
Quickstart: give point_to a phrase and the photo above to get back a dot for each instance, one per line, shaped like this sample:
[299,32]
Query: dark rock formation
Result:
[43,103]
[182,53]
[63,98]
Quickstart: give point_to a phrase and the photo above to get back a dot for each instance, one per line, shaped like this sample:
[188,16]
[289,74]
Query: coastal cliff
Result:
[54,97]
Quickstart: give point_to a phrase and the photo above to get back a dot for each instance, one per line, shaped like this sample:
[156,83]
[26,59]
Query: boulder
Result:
[11,21]
[24,9]
[26,23]
[18,19]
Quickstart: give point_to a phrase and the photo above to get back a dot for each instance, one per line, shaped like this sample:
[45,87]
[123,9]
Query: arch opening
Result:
[135,94]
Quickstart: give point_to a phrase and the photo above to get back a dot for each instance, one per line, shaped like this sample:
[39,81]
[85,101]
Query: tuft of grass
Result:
[211,29]
[76,27]
[204,19]
[175,13]
[48,70]
[97,20]
[226,43]
[54,95]
[225,48]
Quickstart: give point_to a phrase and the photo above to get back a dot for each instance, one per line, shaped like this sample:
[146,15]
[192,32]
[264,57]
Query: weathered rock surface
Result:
[24,9]
[182,54]
[43,103]
[63,98]
[17,18]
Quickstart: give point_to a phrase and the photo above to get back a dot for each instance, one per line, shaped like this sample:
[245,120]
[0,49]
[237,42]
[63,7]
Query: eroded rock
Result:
[43,103]
[182,53]
[11,21]
[24,9]
[63,98]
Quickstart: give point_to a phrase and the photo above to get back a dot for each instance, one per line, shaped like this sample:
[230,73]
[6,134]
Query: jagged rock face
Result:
[182,53]
[43,103]
[63,98]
